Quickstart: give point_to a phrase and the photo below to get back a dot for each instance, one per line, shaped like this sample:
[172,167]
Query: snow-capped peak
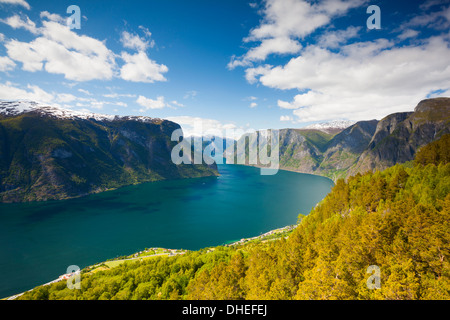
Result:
[335,124]
[14,108]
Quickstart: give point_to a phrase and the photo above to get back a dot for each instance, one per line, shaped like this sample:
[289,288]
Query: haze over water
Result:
[38,241]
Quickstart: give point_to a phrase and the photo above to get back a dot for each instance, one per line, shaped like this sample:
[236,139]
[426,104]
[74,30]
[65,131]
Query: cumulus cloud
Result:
[148,103]
[140,68]
[59,50]
[6,64]
[364,80]
[285,22]
[159,103]
[22,3]
[17,22]
[9,91]
[133,41]
[86,92]
[52,16]
[337,74]
[334,39]
[286,118]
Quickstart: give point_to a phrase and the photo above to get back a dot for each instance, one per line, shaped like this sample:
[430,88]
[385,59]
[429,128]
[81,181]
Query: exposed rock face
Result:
[58,155]
[365,145]
[399,136]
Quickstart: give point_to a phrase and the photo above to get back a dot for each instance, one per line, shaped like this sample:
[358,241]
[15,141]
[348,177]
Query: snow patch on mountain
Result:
[15,108]
[335,124]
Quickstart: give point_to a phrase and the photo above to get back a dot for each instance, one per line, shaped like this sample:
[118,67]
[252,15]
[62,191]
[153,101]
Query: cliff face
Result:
[399,136]
[45,155]
[322,151]
[344,149]
[365,145]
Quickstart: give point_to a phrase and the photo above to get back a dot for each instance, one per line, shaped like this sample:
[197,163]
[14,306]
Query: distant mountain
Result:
[338,152]
[52,153]
[332,126]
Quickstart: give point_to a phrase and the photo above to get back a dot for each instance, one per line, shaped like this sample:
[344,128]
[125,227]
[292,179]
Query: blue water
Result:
[39,240]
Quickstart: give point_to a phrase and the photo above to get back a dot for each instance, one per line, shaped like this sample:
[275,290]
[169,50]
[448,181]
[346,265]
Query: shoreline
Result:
[166,252]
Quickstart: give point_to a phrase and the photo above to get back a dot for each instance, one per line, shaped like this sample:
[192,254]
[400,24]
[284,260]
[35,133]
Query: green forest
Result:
[397,219]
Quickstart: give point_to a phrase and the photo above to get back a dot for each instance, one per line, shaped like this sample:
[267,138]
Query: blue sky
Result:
[229,63]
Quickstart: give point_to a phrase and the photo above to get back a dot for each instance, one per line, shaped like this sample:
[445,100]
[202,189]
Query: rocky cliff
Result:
[399,136]
[52,153]
[365,145]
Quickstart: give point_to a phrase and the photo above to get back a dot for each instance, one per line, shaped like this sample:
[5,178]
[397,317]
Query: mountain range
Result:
[47,152]
[51,153]
[334,152]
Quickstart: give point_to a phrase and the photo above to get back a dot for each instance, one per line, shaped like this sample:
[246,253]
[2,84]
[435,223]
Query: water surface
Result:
[39,240]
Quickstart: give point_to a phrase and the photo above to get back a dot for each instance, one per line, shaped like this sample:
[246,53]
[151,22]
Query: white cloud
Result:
[6,64]
[8,91]
[251,74]
[65,97]
[117,95]
[146,31]
[148,103]
[286,118]
[334,39]
[281,45]
[22,3]
[340,79]
[86,92]
[408,33]
[16,22]
[139,68]
[364,81]
[121,104]
[52,17]
[436,19]
[286,21]
[176,103]
[59,50]
[132,41]
[253,105]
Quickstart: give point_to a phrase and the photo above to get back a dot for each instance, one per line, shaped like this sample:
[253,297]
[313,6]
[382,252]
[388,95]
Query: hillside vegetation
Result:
[397,219]
[44,157]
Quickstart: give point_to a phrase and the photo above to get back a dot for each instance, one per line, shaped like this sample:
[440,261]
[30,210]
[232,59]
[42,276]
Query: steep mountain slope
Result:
[365,145]
[52,153]
[345,148]
[323,152]
[399,136]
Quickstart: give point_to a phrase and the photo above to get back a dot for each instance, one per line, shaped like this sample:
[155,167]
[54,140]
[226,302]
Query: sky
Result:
[227,64]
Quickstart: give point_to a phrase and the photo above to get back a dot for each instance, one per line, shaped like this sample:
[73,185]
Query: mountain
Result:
[399,136]
[48,152]
[333,151]
[335,126]
[314,151]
